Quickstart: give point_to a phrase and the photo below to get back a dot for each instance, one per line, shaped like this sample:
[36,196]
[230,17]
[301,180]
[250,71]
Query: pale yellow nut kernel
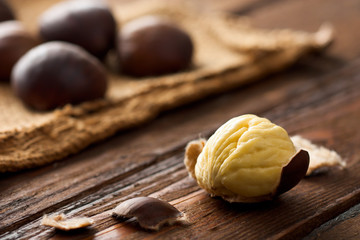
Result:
[243,160]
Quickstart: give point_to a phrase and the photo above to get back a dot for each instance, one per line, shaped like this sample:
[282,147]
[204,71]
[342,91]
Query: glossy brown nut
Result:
[151,46]
[87,23]
[151,213]
[56,73]
[6,12]
[14,42]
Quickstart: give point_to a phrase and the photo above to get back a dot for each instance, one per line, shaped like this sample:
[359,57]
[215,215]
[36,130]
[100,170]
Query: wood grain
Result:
[318,98]
[344,226]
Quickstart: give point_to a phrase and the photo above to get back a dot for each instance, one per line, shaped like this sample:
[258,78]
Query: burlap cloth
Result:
[229,52]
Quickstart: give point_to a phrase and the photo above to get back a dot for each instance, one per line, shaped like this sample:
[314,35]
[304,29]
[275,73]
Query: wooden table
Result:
[318,98]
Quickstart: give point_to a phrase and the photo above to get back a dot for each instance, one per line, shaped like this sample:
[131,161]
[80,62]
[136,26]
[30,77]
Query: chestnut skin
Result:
[87,23]
[15,41]
[57,73]
[151,213]
[6,12]
[151,46]
[293,172]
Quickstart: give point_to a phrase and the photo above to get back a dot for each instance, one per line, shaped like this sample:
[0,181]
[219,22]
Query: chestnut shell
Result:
[151,213]
[89,24]
[56,73]
[6,12]
[294,171]
[14,43]
[151,46]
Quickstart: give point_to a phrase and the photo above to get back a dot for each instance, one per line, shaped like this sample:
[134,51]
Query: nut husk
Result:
[63,223]
[151,213]
[321,158]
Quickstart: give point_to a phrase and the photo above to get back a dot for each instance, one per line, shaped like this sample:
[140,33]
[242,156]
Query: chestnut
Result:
[247,159]
[89,24]
[15,41]
[57,73]
[151,45]
[6,12]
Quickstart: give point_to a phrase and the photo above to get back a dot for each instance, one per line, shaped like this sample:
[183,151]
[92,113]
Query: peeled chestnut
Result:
[15,41]
[56,73]
[151,46]
[248,159]
[89,24]
[5,11]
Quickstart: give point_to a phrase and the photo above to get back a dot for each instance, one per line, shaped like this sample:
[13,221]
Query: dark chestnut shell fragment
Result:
[151,46]
[294,171]
[89,24]
[151,213]
[15,41]
[6,12]
[56,73]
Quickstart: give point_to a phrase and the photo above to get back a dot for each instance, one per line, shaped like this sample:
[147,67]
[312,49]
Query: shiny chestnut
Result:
[15,41]
[151,45]
[87,23]
[6,13]
[57,73]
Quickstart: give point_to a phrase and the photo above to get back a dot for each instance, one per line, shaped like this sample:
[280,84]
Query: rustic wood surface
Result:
[318,98]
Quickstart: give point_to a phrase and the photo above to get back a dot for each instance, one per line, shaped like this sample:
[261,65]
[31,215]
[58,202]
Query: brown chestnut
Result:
[15,41]
[6,12]
[151,45]
[56,73]
[89,24]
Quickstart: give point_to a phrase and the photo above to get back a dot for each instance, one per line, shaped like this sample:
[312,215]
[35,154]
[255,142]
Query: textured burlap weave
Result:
[229,53]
